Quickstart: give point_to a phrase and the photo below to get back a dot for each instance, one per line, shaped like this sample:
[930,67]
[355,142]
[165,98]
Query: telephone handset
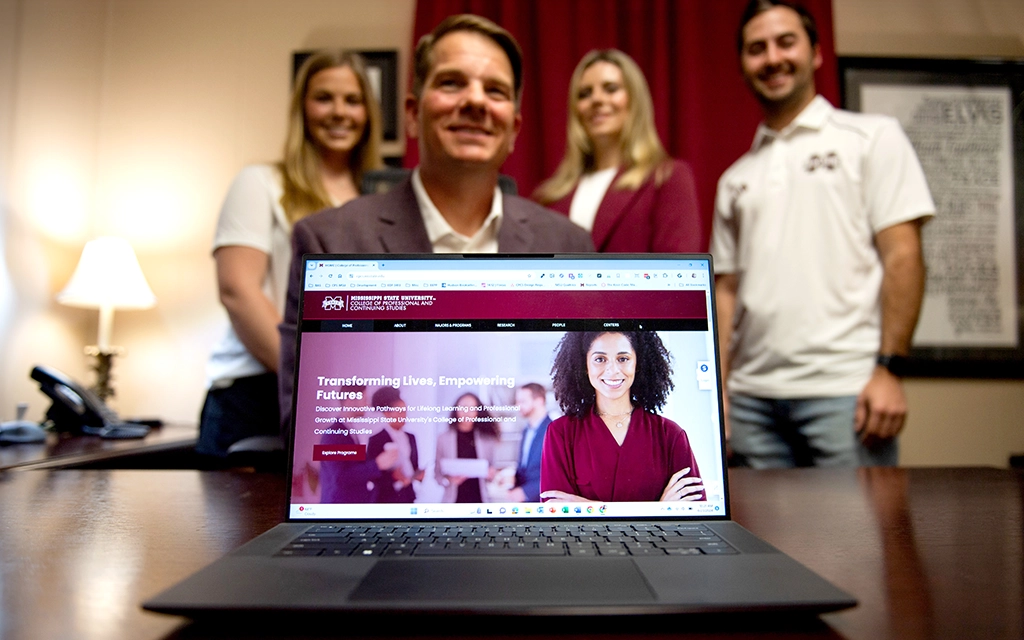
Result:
[77,409]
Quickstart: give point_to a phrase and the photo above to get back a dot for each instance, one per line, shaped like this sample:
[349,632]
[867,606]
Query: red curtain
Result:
[686,48]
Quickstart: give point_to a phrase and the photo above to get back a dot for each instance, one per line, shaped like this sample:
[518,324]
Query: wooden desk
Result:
[928,552]
[63,450]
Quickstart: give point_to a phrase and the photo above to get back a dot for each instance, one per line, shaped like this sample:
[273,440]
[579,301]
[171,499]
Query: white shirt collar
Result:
[443,238]
[812,117]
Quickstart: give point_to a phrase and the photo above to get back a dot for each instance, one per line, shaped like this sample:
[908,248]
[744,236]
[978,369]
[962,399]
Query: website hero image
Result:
[529,424]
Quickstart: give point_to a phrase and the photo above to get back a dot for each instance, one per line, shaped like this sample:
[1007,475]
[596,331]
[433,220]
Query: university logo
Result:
[829,161]
[334,303]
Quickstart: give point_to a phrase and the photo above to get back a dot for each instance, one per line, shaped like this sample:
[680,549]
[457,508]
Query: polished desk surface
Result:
[927,552]
[62,450]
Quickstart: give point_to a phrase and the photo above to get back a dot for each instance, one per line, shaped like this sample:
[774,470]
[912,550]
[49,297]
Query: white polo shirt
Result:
[443,238]
[795,219]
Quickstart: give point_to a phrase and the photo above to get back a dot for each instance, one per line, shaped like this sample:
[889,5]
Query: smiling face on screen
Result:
[611,366]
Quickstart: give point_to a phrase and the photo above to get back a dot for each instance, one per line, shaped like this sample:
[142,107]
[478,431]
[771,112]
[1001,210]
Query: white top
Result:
[589,194]
[252,216]
[795,219]
[443,238]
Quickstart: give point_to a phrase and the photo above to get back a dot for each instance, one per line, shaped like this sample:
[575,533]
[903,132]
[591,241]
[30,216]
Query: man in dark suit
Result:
[345,481]
[464,111]
[394,484]
[533,406]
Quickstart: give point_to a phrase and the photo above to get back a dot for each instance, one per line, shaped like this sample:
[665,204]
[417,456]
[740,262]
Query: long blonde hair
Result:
[642,151]
[304,191]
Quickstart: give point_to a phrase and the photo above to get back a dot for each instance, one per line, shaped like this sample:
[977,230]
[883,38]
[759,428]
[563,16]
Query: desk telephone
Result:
[79,410]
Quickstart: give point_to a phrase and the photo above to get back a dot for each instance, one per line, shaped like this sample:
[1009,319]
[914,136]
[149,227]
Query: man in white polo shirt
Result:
[818,263]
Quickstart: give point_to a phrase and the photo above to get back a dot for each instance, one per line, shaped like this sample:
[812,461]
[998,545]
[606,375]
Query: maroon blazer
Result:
[653,219]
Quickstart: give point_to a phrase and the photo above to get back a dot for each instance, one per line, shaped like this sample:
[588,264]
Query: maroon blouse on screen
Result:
[582,458]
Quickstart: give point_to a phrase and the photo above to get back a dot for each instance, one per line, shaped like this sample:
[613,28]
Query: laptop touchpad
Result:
[541,581]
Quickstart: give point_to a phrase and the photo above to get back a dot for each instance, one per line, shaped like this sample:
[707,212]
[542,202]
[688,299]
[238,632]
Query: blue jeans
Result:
[768,433]
[246,408]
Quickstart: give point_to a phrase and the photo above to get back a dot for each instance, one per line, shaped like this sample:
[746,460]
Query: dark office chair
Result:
[262,453]
[382,181]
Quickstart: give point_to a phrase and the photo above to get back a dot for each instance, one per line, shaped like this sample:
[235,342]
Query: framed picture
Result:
[965,121]
[382,69]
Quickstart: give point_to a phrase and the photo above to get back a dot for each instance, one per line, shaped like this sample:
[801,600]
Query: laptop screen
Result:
[473,387]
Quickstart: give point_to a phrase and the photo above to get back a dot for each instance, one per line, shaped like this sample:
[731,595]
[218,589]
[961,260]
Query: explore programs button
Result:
[339,452]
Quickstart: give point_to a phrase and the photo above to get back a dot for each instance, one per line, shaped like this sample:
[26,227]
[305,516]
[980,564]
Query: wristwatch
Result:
[896,364]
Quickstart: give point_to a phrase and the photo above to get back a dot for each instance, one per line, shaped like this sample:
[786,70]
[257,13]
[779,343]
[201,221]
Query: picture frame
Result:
[965,119]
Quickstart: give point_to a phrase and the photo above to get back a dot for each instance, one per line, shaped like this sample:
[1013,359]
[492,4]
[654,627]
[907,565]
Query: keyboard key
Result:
[718,551]
[621,551]
[646,551]
[683,551]
[296,553]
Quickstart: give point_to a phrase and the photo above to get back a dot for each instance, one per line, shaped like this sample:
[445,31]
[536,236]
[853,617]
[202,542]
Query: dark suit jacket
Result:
[661,218]
[528,471]
[346,482]
[391,223]
[385,484]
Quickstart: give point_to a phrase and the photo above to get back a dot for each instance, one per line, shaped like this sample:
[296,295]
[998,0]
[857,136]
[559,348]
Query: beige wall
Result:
[929,28]
[8,47]
[130,117]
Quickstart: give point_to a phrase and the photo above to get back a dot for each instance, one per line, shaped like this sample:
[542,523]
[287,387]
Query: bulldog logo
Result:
[334,303]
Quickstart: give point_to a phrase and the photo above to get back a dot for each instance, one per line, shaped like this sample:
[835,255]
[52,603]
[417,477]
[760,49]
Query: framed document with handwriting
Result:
[965,121]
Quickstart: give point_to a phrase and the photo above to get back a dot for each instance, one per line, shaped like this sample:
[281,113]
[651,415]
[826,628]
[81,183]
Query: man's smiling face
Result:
[467,111]
[778,59]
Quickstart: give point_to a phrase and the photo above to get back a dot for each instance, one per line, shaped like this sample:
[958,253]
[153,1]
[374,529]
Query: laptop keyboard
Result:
[508,540]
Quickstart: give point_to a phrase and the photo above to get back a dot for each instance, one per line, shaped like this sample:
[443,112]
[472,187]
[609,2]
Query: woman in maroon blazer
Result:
[611,444]
[616,179]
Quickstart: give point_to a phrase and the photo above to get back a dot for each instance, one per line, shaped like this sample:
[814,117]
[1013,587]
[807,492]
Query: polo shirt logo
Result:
[828,161]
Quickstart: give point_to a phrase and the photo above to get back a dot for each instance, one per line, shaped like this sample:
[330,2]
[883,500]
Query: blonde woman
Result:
[333,138]
[616,179]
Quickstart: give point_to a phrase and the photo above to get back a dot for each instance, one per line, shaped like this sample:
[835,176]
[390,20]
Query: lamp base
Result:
[103,366]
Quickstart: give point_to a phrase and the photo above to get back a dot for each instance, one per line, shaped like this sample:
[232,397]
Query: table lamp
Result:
[107,277]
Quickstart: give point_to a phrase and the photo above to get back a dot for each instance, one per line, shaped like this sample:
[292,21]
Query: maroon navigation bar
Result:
[496,305]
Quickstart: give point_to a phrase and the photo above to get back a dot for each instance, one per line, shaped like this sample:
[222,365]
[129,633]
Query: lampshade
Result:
[108,276]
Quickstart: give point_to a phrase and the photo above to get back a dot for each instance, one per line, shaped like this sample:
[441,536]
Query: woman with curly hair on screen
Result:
[611,445]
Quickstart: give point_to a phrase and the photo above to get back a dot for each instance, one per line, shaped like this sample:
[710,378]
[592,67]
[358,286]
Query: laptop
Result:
[408,466]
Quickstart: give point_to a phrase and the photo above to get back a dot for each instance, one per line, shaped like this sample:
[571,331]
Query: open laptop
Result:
[400,356]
